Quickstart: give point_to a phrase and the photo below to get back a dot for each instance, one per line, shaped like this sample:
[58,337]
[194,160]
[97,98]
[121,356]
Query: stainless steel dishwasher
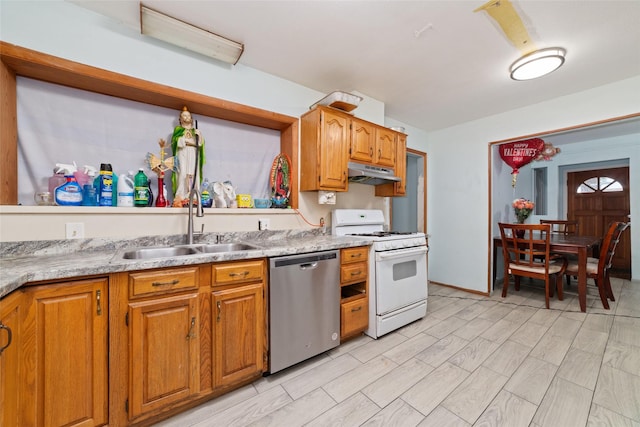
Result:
[304,307]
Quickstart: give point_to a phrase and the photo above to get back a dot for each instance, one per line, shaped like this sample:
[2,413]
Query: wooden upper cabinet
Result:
[331,138]
[400,169]
[385,151]
[324,151]
[401,164]
[362,142]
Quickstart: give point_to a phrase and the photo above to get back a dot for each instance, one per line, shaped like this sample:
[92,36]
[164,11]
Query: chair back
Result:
[561,226]
[525,245]
[609,245]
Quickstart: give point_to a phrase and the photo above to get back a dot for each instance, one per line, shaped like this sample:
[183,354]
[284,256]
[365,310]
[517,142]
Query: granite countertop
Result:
[35,261]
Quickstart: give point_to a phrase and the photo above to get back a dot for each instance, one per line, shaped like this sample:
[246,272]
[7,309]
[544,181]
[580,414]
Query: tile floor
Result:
[472,361]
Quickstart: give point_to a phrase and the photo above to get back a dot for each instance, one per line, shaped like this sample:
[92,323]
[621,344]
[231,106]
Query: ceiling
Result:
[434,64]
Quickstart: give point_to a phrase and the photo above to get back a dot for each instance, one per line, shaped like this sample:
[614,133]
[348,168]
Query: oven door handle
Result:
[401,253]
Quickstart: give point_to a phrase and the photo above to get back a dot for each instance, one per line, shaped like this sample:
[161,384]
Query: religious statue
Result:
[186,143]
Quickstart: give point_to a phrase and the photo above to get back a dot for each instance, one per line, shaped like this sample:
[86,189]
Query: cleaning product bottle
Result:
[114,192]
[150,202]
[140,189]
[89,192]
[57,179]
[105,190]
[125,190]
[69,193]
[85,175]
[207,201]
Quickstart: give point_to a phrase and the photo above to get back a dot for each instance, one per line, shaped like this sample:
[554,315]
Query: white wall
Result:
[459,218]
[65,30]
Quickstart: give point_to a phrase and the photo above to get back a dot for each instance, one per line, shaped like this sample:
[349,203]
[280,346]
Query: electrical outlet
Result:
[74,230]
[263,224]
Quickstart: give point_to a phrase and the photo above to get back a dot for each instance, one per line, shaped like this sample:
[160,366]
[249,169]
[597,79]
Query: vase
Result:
[161,201]
[519,233]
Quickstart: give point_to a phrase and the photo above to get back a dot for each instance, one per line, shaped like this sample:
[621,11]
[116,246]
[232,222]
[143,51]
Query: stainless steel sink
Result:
[150,253]
[226,247]
[182,250]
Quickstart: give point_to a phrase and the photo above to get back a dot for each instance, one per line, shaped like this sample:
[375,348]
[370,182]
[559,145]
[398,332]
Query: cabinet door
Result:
[239,330]
[385,154]
[10,360]
[164,352]
[362,141]
[355,317]
[69,364]
[401,165]
[333,153]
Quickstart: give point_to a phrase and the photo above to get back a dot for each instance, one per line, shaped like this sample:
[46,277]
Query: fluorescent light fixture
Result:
[180,33]
[537,64]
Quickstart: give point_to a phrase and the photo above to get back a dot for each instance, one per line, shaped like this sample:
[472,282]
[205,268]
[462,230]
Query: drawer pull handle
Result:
[356,273]
[8,329]
[191,333]
[219,310]
[353,310]
[173,282]
[242,274]
[358,255]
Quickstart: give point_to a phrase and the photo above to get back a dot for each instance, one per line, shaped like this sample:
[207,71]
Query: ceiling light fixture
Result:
[180,33]
[537,63]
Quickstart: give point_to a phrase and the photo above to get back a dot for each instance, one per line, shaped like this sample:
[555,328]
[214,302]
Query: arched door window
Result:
[599,183]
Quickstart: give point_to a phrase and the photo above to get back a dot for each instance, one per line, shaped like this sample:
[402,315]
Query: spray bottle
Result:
[69,193]
[86,175]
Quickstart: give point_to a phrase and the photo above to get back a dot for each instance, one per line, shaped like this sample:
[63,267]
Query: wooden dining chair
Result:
[529,256]
[561,226]
[598,268]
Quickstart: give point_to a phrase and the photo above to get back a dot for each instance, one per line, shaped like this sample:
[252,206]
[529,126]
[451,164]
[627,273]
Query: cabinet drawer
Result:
[353,273]
[238,272]
[359,254]
[355,316]
[163,281]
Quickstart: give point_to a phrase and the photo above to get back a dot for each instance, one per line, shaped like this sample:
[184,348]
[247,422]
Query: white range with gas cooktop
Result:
[398,283]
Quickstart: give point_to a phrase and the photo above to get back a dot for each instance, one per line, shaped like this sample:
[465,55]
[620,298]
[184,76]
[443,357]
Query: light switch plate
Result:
[74,230]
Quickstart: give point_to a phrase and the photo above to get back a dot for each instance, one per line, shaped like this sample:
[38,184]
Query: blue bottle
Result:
[105,185]
[69,193]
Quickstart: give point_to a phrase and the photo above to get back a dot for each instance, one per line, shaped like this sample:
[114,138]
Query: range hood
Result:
[372,175]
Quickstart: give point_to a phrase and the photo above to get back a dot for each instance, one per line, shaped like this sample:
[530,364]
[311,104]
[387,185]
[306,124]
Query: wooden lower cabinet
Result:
[238,331]
[164,352]
[62,346]
[132,348]
[238,321]
[354,317]
[354,289]
[10,359]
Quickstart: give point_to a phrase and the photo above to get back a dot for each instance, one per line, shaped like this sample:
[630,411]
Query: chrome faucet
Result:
[195,191]
[199,213]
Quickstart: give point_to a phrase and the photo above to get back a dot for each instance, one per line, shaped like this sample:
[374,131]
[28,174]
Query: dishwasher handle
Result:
[309,266]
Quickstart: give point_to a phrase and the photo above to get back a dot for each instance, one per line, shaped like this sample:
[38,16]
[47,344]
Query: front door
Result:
[595,198]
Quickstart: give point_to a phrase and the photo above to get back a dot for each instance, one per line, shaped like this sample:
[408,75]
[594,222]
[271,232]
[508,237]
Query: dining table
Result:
[565,244]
